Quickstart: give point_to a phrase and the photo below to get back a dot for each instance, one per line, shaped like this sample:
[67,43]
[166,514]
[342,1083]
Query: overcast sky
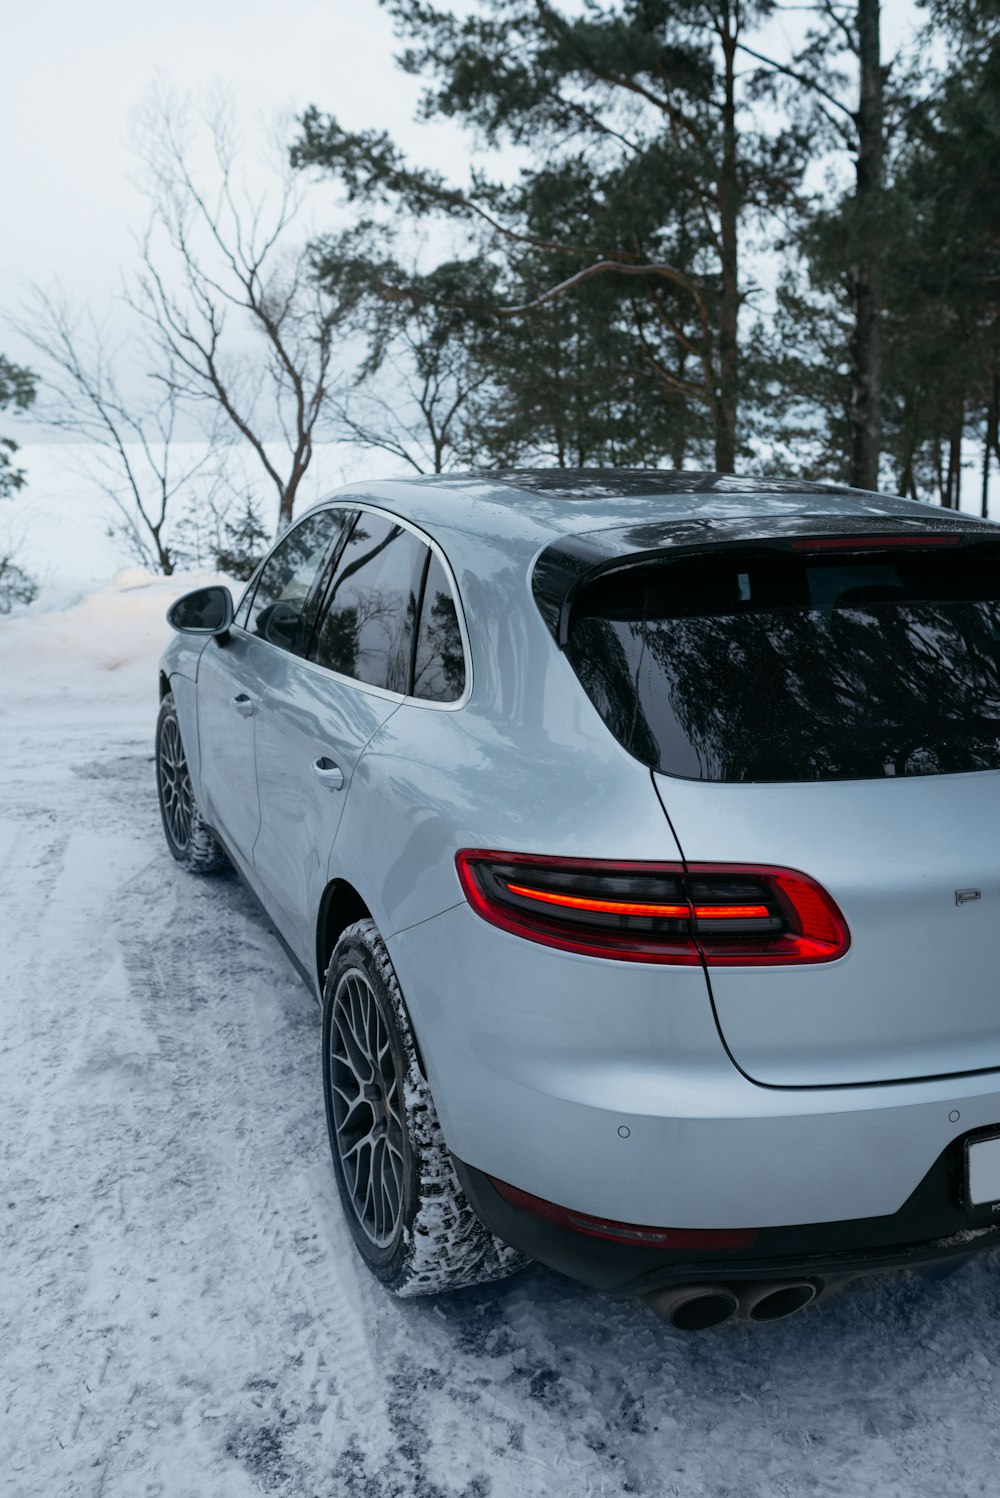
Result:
[74,73]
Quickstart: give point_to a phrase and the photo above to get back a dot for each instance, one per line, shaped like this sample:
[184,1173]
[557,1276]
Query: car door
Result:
[318,714]
[276,616]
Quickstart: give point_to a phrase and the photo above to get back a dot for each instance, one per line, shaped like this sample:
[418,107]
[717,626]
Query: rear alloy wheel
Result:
[407,1213]
[188,839]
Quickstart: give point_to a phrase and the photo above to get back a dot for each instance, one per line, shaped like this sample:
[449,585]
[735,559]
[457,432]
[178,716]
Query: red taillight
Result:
[722,914]
[706,1240]
[603,907]
[814,929]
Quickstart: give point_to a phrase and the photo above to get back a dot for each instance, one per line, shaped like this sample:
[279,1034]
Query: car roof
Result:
[540,504]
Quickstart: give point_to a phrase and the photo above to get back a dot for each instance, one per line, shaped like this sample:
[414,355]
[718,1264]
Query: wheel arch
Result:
[341,905]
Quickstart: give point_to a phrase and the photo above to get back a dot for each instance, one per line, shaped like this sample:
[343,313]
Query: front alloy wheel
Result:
[176,795]
[188,839]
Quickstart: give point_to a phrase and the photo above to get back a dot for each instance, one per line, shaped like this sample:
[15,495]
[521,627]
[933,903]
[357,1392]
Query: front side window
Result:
[763,667]
[366,625]
[282,611]
[439,665]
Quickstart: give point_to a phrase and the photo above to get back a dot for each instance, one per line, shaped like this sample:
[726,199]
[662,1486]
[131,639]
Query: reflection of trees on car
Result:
[352,636]
[440,666]
[279,603]
[790,695]
[786,674]
[367,626]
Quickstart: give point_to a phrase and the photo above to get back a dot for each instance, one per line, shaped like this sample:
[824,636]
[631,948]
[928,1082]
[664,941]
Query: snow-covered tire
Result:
[188,839]
[385,1137]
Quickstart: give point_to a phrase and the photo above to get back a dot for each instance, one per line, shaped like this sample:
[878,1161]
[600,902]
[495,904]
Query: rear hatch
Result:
[828,704]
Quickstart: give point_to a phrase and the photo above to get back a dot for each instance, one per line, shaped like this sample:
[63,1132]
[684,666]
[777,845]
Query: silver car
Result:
[640,834]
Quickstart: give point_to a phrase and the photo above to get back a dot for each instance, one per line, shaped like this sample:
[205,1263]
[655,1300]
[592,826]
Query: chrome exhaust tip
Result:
[773,1300]
[693,1308]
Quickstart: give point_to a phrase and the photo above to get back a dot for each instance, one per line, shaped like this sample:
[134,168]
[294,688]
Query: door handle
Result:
[330,774]
[243,705]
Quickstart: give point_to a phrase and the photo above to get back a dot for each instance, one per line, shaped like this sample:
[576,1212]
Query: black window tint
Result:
[439,668]
[280,611]
[365,629]
[762,668]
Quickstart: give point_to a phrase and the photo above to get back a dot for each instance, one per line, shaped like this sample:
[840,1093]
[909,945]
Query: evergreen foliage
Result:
[17,389]
[604,311]
[646,170]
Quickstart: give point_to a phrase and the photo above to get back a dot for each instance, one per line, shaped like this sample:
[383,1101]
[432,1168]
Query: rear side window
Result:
[439,664]
[366,626]
[766,667]
[282,609]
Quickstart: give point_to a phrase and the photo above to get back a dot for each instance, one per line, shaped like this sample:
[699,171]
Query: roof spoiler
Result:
[573,563]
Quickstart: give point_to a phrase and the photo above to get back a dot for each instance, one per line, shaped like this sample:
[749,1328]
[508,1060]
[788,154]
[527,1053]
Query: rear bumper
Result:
[604,1086]
[931,1228]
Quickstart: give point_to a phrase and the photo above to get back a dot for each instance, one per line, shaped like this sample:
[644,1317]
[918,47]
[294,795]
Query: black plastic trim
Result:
[568,565]
[934,1224]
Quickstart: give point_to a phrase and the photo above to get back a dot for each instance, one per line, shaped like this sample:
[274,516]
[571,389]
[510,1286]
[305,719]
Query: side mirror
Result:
[207,611]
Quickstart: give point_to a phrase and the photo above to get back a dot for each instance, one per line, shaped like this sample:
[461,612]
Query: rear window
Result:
[764,666]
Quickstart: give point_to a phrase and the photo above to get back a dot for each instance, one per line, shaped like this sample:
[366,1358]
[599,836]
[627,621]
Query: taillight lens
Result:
[722,914]
[702,1240]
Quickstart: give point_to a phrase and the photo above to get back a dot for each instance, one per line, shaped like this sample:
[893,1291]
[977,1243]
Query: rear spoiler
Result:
[569,565]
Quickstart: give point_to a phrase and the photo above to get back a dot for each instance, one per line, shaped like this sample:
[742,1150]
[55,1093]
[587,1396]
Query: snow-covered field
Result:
[181,1309]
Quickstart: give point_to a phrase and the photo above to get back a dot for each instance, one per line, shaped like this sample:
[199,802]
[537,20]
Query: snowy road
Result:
[181,1310]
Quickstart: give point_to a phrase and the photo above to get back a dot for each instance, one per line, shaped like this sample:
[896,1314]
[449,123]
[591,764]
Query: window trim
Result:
[355,507]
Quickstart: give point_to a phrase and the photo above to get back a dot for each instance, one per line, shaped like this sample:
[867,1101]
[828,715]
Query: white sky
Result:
[73,73]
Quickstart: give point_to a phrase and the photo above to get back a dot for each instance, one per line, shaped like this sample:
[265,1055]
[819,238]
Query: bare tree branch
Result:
[135,439]
[243,271]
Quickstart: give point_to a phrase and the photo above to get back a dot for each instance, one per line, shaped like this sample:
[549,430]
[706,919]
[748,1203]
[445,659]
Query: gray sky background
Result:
[74,74]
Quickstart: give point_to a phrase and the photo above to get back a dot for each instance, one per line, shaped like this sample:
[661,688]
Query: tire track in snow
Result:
[331,1378]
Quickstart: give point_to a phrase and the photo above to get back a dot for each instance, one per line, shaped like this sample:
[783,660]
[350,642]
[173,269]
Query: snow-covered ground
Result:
[182,1312]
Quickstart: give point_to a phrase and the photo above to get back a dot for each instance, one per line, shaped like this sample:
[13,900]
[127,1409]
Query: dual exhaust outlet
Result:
[695,1308]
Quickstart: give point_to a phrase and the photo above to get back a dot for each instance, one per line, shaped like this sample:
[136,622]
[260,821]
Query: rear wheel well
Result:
[340,907]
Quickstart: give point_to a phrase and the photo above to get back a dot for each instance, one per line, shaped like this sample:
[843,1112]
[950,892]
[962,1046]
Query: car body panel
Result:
[306,715]
[529,771]
[918,992]
[229,670]
[538,1059]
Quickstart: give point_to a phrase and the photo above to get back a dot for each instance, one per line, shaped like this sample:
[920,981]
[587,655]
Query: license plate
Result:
[983,1171]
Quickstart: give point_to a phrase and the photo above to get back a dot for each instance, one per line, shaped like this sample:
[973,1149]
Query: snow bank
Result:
[97,651]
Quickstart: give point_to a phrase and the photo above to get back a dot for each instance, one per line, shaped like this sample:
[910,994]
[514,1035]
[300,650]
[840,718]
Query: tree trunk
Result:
[727,406]
[952,497]
[286,504]
[991,437]
[866,273]
[939,472]
[163,557]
